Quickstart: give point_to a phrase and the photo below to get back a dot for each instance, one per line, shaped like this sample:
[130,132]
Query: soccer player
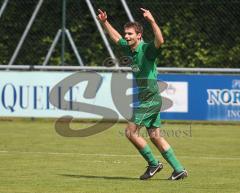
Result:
[147,113]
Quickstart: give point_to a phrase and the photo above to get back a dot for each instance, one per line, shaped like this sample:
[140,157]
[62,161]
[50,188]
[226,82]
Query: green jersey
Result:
[143,66]
[145,72]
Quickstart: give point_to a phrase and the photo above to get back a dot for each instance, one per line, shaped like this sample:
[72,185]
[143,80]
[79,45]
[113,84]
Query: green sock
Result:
[146,152]
[170,157]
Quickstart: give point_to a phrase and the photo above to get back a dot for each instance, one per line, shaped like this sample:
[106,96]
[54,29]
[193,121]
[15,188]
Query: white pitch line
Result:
[68,153]
[210,157]
[112,155]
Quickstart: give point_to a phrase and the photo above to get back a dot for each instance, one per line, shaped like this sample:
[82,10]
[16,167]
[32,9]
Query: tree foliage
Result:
[197,33]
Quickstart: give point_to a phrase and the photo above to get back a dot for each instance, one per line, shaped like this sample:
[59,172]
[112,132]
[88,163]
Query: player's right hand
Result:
[102,16]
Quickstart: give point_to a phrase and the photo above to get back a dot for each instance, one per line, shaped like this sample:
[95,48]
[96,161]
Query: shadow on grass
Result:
[103,177]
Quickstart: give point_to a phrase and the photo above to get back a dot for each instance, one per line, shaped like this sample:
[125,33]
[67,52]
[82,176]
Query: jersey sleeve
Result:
[122,42]
[124,46]
[151,51]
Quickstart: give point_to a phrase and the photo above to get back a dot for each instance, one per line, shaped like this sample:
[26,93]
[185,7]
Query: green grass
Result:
[35,159]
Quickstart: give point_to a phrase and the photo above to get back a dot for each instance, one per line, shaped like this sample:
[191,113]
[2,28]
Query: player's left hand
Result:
[147,15]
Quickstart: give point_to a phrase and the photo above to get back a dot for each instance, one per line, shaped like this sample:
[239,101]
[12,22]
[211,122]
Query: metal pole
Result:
[52,47]
[3,7]
[104,68]
[63,31]
[74,48]
[129,14]
[26,32]
[101,32]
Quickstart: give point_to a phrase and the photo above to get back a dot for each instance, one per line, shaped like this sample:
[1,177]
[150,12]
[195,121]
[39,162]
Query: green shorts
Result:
[148,112]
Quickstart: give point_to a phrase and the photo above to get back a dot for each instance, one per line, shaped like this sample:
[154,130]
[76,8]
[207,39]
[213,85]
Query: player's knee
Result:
[154,136]
[128,133]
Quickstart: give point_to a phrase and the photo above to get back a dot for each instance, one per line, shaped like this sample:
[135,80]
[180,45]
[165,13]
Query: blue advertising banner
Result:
[210,97]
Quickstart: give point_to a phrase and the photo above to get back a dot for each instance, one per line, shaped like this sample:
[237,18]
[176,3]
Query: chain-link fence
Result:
[197,33]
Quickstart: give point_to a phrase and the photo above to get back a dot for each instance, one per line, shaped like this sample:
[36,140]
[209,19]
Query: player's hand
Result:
[102,16]
[147,15]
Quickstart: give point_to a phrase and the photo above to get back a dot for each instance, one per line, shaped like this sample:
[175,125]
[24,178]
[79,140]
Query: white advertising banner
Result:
[177,92]
[26,94]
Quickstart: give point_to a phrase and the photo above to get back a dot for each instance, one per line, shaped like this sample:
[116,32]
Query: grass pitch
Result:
[35,159]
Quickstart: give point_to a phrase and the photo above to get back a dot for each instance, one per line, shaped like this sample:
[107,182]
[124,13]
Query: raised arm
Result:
[113,33]
[156,29]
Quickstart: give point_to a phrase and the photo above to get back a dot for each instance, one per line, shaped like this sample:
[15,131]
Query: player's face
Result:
[131,36]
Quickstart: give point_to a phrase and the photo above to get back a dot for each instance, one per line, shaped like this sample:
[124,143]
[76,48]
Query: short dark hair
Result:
[136,25]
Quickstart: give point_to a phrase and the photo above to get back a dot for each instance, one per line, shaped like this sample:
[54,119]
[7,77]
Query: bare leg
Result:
[132,133]
[158,140]
[168,153]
